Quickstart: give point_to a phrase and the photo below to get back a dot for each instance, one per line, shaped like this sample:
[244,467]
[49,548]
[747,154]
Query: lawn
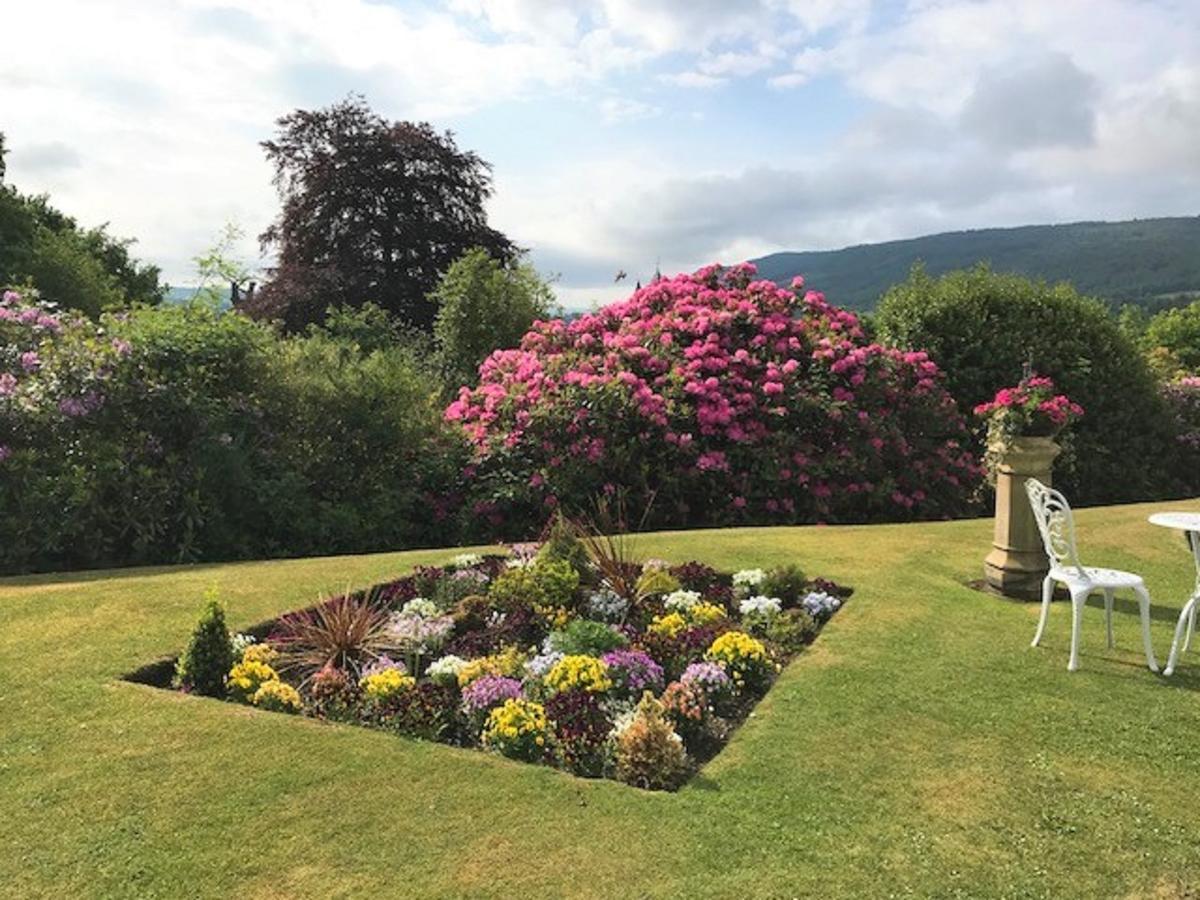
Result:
[920,747]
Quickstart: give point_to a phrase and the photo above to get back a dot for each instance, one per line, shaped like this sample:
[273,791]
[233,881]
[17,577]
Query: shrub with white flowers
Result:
[444,670]
[681,601]
[760,605]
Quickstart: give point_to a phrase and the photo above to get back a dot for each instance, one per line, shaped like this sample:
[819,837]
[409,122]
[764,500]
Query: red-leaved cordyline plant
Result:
[723,397]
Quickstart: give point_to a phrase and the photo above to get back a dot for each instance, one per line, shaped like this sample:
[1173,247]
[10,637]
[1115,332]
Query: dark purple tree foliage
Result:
[373,211]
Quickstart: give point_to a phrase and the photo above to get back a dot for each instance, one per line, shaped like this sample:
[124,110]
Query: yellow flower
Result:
[260,653]
[277,696]
[509,663]
[579,672]
[246,678]
[386,684]
[669,625]
[736,646]
[705,613]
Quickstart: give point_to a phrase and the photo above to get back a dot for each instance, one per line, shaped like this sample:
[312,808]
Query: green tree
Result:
[484,305]
[217,267]
[1178,332]
[209,654]
[982,328]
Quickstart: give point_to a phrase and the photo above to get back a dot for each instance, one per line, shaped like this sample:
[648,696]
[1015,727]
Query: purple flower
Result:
[30,361]
[8,384]
[383,664]
[420,635]
[123,347]
[490,690]
[707,676]
[634,671]
[28,316]
[11,297]
[5,452]
[74,407]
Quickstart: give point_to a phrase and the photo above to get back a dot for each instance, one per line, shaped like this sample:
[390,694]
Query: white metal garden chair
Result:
[1057,527]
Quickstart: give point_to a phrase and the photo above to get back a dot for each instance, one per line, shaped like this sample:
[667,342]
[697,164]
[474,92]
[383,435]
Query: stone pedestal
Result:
[1017,563]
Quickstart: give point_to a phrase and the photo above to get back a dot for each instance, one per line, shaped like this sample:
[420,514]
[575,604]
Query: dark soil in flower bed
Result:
[587,661]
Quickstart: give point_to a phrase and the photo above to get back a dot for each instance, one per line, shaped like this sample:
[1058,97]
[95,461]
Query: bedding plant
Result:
[539,657]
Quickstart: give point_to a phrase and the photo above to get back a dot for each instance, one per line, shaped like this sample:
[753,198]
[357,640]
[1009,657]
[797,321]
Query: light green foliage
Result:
[217,267]
[1177,331]
[582,637]
[545,582]
[982,327]
[562,543]
[483,306]
[655,583]
[209,655]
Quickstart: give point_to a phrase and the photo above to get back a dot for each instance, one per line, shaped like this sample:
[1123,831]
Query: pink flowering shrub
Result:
[714,398]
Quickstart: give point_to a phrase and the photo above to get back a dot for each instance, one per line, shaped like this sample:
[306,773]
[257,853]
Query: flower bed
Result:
[640,675]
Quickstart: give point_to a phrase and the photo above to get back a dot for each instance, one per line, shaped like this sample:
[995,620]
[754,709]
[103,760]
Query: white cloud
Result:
[616,110]
[693,80]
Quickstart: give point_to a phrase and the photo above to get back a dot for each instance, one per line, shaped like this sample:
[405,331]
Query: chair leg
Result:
[1180,629]
[1047,593]
[1079,597]
[1108,611]
[1187,641]
[1143,596]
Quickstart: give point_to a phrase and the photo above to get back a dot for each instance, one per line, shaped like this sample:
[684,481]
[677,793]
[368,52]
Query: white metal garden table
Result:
[1189,523]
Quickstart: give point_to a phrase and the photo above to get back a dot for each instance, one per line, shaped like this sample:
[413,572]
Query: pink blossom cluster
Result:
[724,397]
[1035,397]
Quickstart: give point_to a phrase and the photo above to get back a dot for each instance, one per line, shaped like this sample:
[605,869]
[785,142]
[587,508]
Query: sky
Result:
[624,135]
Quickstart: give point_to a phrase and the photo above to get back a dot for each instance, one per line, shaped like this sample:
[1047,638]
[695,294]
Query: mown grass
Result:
[920,747]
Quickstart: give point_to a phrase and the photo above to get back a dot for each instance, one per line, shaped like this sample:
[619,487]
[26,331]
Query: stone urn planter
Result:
[1017,564]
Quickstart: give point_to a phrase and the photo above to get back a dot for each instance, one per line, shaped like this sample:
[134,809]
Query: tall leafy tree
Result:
[373,212]
[484,306]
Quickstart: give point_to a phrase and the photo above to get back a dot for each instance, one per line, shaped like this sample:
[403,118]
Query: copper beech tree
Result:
[373,211]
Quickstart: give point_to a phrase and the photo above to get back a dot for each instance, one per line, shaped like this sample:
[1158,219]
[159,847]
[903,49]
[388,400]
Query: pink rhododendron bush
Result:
[713,398]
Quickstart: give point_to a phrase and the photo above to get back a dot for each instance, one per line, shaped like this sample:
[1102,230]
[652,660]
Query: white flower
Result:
[655,565]
[682,601]
[517,562]
[749,578]
[542,663]
[445,669]
[466,560]
[622,722]
[760,605]
[420,607]
[240,642]
[607,605]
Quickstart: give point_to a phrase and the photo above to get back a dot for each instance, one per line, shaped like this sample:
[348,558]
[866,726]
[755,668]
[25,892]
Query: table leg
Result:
[1185,617]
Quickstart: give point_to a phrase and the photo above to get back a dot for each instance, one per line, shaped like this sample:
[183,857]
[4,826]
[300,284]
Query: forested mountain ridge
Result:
[1143,261]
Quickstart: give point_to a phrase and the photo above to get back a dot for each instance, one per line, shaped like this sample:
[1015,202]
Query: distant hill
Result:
[185,294]
[1150,262]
